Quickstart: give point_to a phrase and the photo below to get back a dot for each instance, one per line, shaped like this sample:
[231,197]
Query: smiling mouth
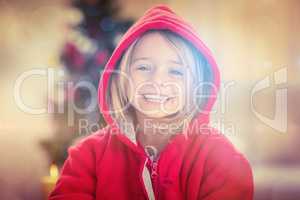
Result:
[154,98]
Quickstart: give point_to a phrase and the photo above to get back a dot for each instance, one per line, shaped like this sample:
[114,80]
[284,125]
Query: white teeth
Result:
[155,98]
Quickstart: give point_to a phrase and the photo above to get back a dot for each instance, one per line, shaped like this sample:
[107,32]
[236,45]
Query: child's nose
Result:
[159,80]
[159,77]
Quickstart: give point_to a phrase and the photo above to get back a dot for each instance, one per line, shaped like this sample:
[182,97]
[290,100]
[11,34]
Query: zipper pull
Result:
[154,169]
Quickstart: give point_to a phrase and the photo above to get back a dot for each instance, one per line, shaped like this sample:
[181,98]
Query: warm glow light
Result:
[48,182]
[53,171]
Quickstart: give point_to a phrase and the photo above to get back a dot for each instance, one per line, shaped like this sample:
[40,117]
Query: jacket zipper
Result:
[154,177]
[154,173]
[154,163]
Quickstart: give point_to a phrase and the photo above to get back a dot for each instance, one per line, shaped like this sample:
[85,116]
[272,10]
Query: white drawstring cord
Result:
[147,182]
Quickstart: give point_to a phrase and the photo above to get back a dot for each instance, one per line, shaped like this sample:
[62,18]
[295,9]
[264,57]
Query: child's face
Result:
[159,77]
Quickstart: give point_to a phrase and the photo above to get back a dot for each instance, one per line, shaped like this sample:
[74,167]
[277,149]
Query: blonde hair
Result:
[117,96]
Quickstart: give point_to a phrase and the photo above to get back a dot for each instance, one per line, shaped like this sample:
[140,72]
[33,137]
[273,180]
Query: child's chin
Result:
[157,114]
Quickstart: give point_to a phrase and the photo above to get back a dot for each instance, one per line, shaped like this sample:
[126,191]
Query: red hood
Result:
[158,18]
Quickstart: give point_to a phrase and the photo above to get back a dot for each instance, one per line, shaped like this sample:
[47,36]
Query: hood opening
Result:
[159,18]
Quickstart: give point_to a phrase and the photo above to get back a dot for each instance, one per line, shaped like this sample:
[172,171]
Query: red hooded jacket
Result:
[197,165]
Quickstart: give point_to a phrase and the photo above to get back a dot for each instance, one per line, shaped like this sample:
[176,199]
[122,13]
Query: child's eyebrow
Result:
[177,62]
[141,58]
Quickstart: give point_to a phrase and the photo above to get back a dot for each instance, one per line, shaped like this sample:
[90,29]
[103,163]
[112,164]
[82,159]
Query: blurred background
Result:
[48,48]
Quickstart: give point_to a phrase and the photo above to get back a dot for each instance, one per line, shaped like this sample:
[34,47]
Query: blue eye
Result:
[176,72]
[143,67]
